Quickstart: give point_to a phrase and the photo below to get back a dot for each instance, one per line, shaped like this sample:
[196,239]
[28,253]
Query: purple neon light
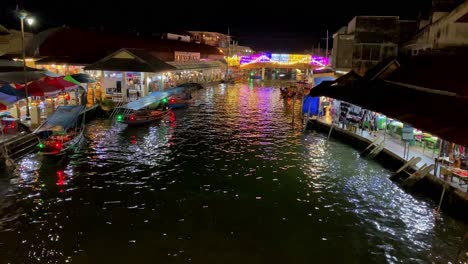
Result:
[255,58]
[267,57]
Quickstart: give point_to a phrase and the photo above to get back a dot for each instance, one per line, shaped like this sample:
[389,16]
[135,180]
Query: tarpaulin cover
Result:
[152,98]
[63,119]
[319,80]
[311,105]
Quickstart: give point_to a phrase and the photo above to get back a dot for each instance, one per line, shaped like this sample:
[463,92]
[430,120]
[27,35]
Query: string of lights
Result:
[280,59]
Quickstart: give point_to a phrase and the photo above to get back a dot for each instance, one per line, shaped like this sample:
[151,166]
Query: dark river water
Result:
[229,180]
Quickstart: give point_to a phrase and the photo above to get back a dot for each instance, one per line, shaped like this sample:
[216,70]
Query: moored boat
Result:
[62,131]
[142,117]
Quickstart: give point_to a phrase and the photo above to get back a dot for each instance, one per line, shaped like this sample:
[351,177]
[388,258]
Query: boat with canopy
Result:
[150,108]
[62,131]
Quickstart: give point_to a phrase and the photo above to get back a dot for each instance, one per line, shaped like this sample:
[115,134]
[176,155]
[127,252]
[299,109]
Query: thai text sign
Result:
[186,56]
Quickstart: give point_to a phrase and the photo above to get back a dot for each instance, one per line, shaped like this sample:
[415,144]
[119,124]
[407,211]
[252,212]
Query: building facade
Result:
[342,53]
[214,39]
[375,38]
[447,28]
[367,40]
[10,42]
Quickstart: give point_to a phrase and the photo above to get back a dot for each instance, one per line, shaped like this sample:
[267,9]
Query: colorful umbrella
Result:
[69,78]
[40,88]
[83,78]
[60,83]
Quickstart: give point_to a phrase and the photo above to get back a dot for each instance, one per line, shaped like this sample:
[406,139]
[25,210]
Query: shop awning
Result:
[442,113]
[132,60]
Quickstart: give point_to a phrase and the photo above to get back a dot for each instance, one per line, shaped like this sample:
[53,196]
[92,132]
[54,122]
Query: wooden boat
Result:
[154,106]
[62,131]
[142,117]
[58,145]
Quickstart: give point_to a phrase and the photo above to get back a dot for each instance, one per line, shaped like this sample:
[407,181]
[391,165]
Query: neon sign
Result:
[280,59]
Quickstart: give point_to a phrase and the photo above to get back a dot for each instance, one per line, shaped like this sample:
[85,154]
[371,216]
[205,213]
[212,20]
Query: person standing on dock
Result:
[344,109]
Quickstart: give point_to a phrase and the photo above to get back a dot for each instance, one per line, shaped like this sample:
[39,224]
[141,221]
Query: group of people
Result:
[357,117]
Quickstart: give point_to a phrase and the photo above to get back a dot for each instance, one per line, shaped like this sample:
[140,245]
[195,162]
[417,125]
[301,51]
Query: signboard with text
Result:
[186,56]
[407,133]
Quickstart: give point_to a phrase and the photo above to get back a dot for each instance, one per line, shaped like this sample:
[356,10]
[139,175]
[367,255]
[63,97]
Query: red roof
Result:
[82,47]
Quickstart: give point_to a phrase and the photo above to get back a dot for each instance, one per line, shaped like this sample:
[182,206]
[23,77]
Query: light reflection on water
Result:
[227,180]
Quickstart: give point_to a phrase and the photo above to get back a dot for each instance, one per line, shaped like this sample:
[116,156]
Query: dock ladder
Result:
[374,148]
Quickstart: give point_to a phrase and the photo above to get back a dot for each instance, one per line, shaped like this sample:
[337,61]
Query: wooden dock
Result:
[455,201]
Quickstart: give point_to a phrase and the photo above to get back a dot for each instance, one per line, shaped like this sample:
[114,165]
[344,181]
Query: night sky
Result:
[288,26]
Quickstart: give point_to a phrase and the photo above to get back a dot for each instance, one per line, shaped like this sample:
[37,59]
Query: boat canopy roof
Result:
[152,98]
[63,119]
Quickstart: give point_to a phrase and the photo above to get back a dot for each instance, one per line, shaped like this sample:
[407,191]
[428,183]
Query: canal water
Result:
[229,180]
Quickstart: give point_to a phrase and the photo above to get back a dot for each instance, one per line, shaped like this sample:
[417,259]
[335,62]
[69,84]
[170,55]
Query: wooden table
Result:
[462,175]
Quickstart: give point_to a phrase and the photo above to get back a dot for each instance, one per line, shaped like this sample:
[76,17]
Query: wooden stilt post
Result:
[441,198]
[293,104]
[329,132]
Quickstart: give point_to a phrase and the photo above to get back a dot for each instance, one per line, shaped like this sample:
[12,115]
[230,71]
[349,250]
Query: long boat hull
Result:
[138,121]
[66,147]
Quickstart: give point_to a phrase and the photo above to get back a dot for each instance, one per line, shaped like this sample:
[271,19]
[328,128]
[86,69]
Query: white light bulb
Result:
[30,20]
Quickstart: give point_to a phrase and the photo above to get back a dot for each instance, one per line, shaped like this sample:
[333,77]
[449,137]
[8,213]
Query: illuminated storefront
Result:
[62,69]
